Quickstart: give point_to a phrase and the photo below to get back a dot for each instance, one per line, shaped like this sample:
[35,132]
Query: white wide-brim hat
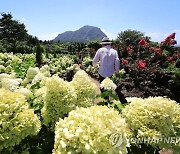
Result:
[105,40]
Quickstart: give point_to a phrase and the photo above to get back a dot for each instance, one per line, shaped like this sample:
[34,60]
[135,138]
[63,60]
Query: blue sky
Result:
[47,18]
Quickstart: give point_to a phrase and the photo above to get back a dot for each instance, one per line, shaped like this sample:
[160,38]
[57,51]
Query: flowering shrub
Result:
[44,68]
[169,40]
[118,76]
[87,130]
[9,81]
[108,84]
[59,100]
[35,75]
[153,117]
[17,121]
[84,88]
[31,73]
[25,92]
[141,64]
[2,69]
[10,84]
[143,42]
[124,61]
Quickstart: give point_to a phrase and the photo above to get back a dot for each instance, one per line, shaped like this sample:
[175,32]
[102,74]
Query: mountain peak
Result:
[84,34]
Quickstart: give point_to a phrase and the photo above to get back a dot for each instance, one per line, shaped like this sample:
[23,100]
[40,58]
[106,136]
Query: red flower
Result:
[172,36]
[173,42]
[141,64]
[124,61]
[143,42]
[169,58]
[130,49]
[158,51]
[167,39]
[152,48]
[170,39]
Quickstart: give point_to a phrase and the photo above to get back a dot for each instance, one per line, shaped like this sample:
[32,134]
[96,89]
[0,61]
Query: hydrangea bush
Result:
[59,100]
[35,75]
[108,84]
[17,121]
[84,88]
[88,130]
[31,72]
[153,118]
[9,81]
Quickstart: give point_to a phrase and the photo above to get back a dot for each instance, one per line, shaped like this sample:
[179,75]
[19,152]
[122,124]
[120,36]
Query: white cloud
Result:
[157,36]
[109,34]
[47,37]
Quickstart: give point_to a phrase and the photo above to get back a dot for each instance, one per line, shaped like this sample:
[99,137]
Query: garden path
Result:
[97,84]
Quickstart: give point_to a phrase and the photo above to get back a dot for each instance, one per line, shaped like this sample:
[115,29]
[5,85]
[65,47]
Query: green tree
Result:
[13,33]
[39,50]
[94,44]
[131,37]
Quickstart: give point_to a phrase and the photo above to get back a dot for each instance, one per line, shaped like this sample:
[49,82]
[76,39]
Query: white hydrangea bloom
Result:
[25,81]
[16,59]
[31,73]
[88,130]
[59,100]
[38,77]
[11,81]
[13,75]
[108,84]
[2,68]
[41,92]
[153,117]
[47,74]
[10,84]
[17,120]
[4,75]
[44,68]
[2,56]
[25,92]
[85,89]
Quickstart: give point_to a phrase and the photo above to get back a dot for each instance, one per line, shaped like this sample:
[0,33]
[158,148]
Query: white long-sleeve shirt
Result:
[109,61]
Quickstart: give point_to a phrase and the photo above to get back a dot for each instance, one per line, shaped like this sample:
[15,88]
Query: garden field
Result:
[50,102]
[52,109]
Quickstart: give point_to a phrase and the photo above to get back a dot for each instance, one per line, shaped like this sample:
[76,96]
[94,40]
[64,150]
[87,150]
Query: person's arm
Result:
[117,63]
[96,59]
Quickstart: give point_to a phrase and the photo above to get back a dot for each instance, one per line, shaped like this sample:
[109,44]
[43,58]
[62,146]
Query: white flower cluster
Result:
[25,92]
[59,100]
[44,69]
[108,84]
[2,69]
[60,97]
[84,88]
[9,82]
[87,130]
[153,117]
[17,121]
[31,73]
[35,74]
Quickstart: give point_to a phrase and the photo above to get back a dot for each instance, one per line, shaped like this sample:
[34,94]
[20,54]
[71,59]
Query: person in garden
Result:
[109,60]
[109,64]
